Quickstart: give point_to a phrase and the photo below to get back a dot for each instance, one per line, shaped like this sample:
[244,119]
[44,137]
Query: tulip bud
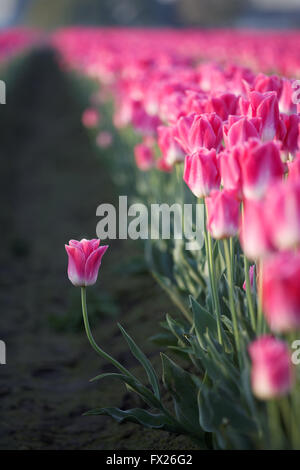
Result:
[231,173]
[90,118]
[144,157]
[264,106]
[222,214]
[261,166]
[272,372]
[84,261]
[240,129]
[201,172]
[283,214]
[170,149]
[254,234]
[280,291]
[196,131]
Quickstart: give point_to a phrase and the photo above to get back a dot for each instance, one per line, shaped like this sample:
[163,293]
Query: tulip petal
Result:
[76,265]
[93,264]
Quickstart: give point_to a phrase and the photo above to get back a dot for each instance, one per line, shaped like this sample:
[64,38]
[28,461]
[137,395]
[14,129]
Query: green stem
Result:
[260,318]
[231,296]
[212,278]
[93,342]
[274,425]
[249,294]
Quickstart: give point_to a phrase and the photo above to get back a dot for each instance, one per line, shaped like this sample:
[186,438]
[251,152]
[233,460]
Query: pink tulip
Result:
[261,166]
[251,277]
[196,131]
[223,105]
[294,169]
[201,172]
[264,106]
[144,157]
[272,372]
[90,118]
[264,83]
[283,214]
[170,149]
[240,129]
[222,214]
[104,139]
[286,104]
[280,291]
[254,233]
[84,261]
[290,140]
[231,173]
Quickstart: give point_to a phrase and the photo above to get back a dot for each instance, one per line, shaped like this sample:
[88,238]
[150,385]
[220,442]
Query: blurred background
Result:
[205,13]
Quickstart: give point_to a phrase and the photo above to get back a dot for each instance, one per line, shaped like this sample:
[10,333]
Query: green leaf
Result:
[183,389]
[163,339]
[216,410]
[139,416]
[173,293]
[135,385]
[140,356]
[205,322]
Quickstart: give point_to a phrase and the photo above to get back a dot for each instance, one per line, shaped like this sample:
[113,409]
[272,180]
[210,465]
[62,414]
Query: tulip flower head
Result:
[223,214]
[280,291]
[144,157]
[84,261]
[201,172]
[90,118]
[271,374]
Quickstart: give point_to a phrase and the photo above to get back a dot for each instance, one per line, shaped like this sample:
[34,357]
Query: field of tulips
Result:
[210,119]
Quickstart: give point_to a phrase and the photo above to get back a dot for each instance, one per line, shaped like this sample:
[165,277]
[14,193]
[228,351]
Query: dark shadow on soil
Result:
[52,180]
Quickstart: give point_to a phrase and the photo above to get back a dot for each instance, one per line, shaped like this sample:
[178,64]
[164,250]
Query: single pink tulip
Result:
[272,372]
[144,157]
[201,172]
[264,83]
[84,261]
[222,214]
[90,118]
[291,137]
[170,149]
[231,173]
[223,104]
[283,214]
[254,232]
[286,104]
[261,166]
[264,106]
[196,131]
[240,129]
[280,291]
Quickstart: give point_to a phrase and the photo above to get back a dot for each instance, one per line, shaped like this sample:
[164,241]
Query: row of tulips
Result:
[227,136]
[16,40]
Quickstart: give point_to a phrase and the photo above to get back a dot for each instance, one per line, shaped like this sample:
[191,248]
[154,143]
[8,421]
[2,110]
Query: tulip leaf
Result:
[139,416]
[205,322]
[140,356]
[183,390]
[216,410]
[135,385]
